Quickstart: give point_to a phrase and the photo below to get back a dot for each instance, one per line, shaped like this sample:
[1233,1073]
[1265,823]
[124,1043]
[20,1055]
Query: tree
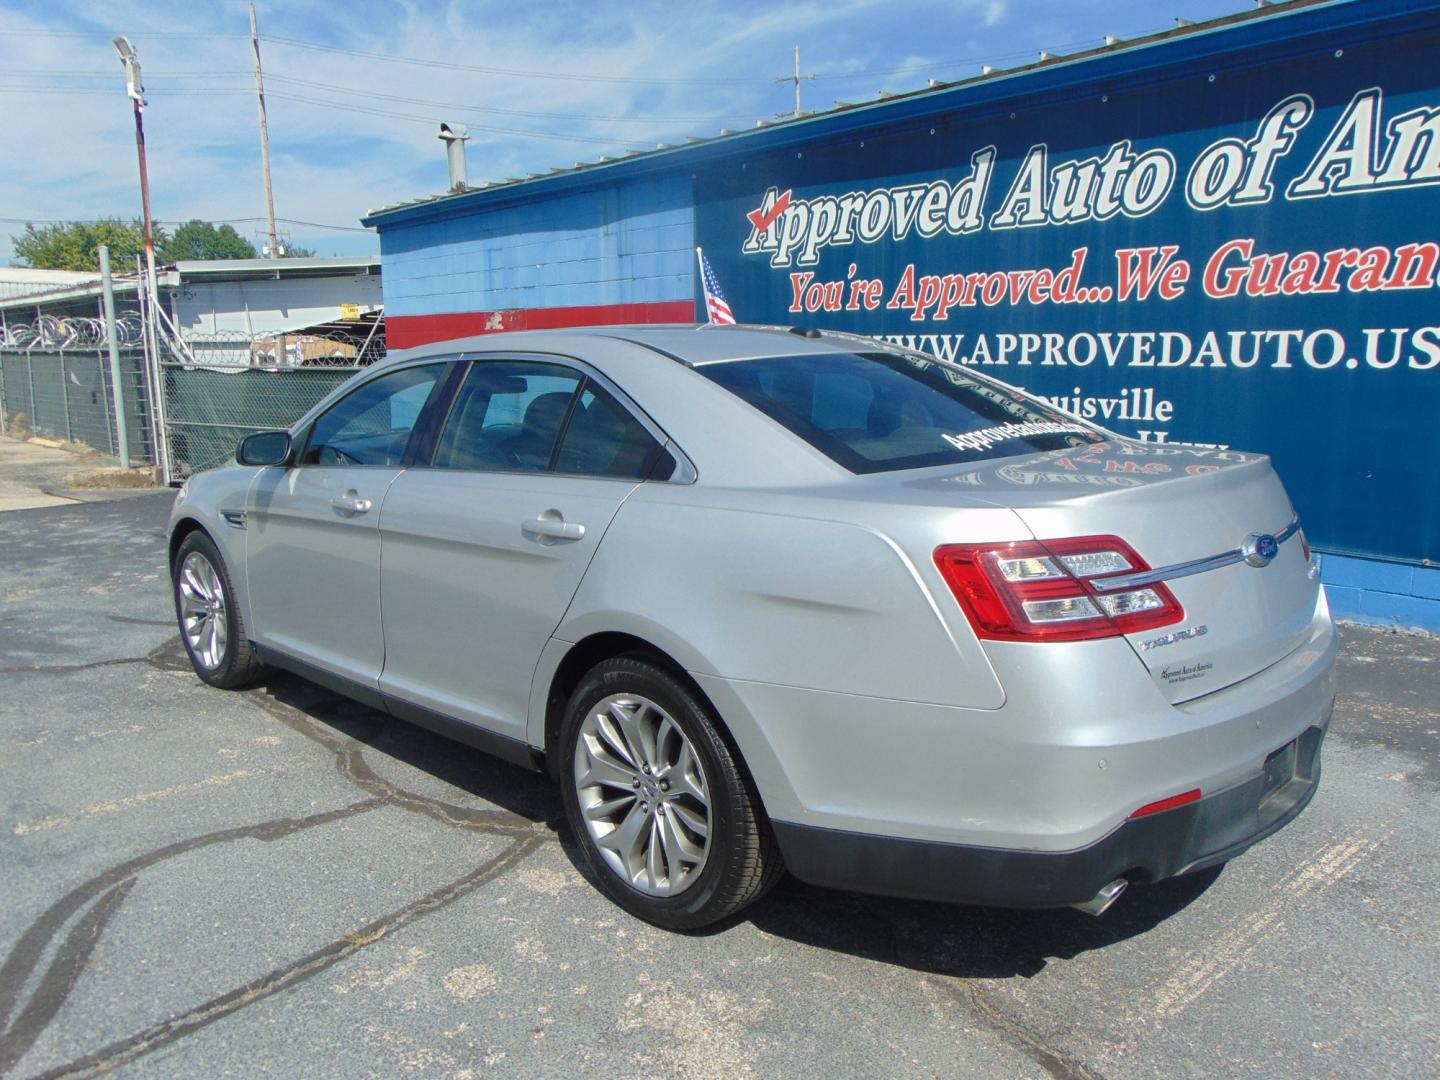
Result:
[71,245]
[197,239]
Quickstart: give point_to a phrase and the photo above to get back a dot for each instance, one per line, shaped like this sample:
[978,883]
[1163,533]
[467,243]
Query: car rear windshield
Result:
[882,411]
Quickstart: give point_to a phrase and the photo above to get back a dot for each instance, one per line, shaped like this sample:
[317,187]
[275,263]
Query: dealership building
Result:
[1226,234]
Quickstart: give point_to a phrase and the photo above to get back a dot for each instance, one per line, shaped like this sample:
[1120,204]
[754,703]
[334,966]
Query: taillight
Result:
[1033,590]
[1304,547]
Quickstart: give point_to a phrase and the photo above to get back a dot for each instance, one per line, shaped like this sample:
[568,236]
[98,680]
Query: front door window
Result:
[372,425]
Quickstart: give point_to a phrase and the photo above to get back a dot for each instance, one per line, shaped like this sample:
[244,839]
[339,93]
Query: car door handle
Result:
[351,503]
[552,526]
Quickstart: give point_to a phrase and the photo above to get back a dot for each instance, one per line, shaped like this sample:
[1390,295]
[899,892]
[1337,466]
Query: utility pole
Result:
[795,78]
[274,249]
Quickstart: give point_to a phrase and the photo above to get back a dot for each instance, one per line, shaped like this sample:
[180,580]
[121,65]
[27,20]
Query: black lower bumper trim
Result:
[1191,837]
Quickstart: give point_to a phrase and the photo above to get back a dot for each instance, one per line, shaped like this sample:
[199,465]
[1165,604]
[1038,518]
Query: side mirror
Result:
[264,448]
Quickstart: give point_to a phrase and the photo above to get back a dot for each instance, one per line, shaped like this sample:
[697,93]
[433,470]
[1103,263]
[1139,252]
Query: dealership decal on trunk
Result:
[1185,672]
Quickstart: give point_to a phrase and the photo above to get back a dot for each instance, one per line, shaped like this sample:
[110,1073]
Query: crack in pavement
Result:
[101,896]
[17,1038]
[1056,1062]
[284,978]
[61,976]
[167,656]
[70,669]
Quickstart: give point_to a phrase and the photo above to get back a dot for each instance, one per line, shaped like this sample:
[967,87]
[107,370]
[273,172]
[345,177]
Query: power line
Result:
[177,221]
[37,32]
[296,221]
[71,73]
[431,62]
[106,91]
[351,90]
[864,73]
[519,132]
[522,133]
[454,105]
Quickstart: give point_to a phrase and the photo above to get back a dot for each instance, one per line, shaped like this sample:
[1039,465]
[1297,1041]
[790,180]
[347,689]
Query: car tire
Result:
[642,757]
[211,627]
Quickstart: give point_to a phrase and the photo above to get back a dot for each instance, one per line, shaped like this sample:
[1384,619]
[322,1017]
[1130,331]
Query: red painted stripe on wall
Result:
[407,331]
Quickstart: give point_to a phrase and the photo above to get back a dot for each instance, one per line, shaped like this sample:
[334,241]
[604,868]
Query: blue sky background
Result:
[611,76]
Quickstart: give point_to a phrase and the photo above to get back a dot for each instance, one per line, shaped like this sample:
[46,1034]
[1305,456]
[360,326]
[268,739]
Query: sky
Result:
[356,90]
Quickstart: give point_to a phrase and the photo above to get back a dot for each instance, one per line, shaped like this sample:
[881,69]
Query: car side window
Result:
[372,424]
[604,439]
[508,416]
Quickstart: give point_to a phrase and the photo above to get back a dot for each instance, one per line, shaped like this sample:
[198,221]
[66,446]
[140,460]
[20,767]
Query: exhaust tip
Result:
[1100,903]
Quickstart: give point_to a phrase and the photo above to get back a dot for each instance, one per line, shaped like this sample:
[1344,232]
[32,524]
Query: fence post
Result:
[65,397]
[155,374]
[117,393]
[30,380]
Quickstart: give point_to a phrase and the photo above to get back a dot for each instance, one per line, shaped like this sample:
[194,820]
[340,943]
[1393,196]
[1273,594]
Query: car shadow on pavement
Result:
[527,795]
[965,942]
[935,938]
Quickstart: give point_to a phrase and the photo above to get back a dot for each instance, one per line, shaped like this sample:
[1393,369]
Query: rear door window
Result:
[605,439]
[881,411]
[508,416]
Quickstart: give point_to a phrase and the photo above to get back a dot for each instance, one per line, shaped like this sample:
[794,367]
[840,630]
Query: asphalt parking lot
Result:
[199,883]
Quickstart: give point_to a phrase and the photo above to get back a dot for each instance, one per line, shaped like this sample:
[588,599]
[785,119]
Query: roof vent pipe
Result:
[455,136]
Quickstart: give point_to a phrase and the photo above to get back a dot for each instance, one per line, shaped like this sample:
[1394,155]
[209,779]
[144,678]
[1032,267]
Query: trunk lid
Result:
[1173,504]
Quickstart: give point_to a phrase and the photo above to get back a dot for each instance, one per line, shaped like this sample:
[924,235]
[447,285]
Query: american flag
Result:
[715,306]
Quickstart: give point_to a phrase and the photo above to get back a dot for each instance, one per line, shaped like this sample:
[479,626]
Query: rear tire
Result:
[660,805]
[211,627]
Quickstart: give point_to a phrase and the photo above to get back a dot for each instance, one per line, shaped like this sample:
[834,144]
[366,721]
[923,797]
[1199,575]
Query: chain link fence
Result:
[226,386]
[55,381]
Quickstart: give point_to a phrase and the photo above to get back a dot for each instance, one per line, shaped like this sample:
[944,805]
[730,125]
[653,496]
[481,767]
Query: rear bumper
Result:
[1213,830]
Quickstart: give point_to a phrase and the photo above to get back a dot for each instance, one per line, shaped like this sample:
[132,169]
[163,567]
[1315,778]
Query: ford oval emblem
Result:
[1260,549]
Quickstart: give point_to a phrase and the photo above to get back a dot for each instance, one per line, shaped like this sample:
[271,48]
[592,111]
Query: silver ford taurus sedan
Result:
[763,599]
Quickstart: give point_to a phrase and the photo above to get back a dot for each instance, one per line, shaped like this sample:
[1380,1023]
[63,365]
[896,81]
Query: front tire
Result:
[211,627]
[657,800]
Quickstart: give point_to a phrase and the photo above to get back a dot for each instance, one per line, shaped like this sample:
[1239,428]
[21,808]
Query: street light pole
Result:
[136,91]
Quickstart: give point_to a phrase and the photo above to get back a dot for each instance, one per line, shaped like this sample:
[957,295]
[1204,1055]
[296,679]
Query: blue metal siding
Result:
[631,242]
[1383,593]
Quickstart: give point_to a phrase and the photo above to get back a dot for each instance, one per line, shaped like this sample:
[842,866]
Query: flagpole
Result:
[700,262]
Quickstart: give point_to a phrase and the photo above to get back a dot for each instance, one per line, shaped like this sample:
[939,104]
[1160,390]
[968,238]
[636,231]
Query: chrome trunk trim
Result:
[1186,569]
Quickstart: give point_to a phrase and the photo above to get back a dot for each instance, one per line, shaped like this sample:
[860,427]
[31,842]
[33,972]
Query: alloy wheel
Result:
[202,610]
[643,794]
